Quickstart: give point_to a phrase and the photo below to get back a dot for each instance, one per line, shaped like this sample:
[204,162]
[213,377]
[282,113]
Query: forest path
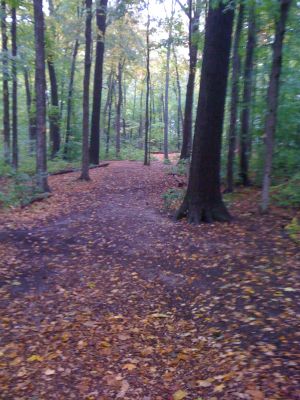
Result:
[105,297]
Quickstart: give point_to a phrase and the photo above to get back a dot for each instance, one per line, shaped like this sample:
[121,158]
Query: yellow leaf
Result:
[65,337]
[204,383]
[16,361]
[179,395]
[158,315]
[49,372]
[35,357]
[82,344]
[219,388]
[104,344]
[129,367]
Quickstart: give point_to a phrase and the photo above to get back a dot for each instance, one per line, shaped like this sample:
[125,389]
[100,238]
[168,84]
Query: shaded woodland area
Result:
[149,199]
[121,81]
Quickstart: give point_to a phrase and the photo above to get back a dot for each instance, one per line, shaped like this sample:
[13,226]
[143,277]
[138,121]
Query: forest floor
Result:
[104,296]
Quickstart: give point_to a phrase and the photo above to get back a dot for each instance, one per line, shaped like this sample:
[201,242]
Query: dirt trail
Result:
[104,296]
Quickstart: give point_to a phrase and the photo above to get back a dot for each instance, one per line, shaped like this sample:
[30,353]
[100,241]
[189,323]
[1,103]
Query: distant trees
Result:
[203,200]
[245,139]
[232,130]
[193,13]
[101,10]
[40,94]
[143,112]
[15,150]
[5,79]
[86,90]
[272,100]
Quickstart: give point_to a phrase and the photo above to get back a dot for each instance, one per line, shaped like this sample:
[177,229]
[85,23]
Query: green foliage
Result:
[288,193]
[293,229]
[20,189]
[180,168]
[173,197]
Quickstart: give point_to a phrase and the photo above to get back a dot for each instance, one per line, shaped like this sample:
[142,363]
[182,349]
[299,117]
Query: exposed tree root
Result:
[197,213]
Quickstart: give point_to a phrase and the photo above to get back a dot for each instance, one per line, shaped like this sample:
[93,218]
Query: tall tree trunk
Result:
[247,96]
[112,91]
[166,113]
[167,82]
[141,123]
[146,147]
[118,110]
[5,90]
[15,150]
[30,113]
[98,81]
[86,89]
[236,68]
[203,200]
[54,110]
[40,95]
[70,98]
[189,99]
[179,108]
[272,100]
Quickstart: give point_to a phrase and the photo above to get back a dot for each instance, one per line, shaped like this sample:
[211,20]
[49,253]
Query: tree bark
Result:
[166,113]
[54,110]
[70,98]
[272,100]
[146,147]
[189,99]
[236,68]
[179,108]
[118,110]
[5,90]
[110,103]
[203,200]
[15,150]
[247,96]
[30,113]
[40,94]
[86,88]
[98,82]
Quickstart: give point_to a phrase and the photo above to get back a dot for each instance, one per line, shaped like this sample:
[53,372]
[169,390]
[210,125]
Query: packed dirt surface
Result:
[104,296]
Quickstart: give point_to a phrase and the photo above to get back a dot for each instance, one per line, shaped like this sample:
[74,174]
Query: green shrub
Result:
[293,230]
[288,193]
[173,197]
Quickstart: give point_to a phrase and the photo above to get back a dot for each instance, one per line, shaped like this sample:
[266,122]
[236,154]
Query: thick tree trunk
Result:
[70,98]
[247,96]
[30,113]
[98,81]
[40,94]
[118,110]
[54,110]
[146,147]
[203,200]
[236,68]
[86,88]
[15,150]
[272,100]
[189,99]
[5,90]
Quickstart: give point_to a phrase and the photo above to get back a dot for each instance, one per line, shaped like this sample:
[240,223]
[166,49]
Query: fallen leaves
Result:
[141,308]
[179,395]
[49,372]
